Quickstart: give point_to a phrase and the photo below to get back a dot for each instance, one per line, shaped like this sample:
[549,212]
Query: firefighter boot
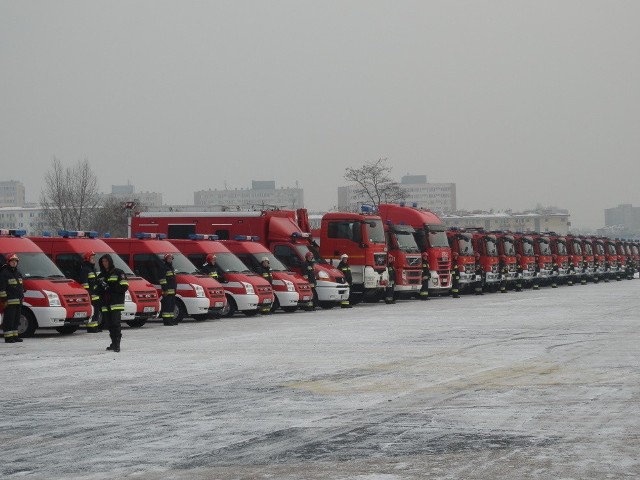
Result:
[116,344]
[16,338]
[8,338]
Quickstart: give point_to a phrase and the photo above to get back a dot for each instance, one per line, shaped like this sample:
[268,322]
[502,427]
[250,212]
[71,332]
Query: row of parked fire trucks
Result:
[392,238]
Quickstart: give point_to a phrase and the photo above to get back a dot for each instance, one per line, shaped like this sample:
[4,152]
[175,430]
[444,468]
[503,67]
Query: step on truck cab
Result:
[141,301]
[278,230]
[246,292]
[361,237]
[292,291]
[50,299]
[463,255]
[431,237]
[197,296]
[404,257]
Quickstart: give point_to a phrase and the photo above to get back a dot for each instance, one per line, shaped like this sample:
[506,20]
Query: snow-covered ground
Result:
[537,384]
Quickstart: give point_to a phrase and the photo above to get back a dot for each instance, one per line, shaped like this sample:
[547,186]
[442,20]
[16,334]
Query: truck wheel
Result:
[327,305]
[201,318]
[289,309]
[136,323]
[250,313]
[67,329]
[230,308]
[27,323]
[179,311]
[275,305]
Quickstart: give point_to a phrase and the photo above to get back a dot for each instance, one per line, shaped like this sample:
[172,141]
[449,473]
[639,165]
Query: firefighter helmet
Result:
[12,256]
[168,256]
[309,255]
[87,256]
[264,259]
[211,258]
[344,256]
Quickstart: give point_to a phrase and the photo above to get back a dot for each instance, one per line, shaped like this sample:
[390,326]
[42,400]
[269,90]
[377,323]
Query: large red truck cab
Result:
[291,289]
[590,266]
[246,291]
[404,257]
[141,301]
[361,237]
[507,254]
[197,296]
[525,256]
[543,256]
[463,254]
[278,230]
[50,299]
[600,258]
[485,247]
[611,258]
[431,237]
[560,255]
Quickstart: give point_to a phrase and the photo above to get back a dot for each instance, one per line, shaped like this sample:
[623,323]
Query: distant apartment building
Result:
[262,194]
[530,221]
[437,197]
[12,194]
[127,193]
[621,221]
[30,219]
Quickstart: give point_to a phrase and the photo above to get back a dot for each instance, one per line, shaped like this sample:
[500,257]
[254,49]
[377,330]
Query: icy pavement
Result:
[538,384]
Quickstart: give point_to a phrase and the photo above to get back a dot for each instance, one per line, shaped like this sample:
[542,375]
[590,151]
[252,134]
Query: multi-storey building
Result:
[262,194]
[530,221]
[30,219]
[11,194]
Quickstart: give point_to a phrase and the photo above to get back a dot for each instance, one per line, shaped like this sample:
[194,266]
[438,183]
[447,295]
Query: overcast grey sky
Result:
[517,102]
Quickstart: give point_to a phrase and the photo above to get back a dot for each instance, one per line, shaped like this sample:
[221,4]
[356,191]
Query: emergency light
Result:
[201,236]
[146,235]
[13,232]
[247,238]
[77,234]
[300,235]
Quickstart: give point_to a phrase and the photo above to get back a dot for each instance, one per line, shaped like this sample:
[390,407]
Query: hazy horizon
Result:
[518,103]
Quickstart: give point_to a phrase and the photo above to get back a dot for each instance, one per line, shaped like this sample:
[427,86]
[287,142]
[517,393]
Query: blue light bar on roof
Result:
[155,236]
[77,234]
[201,236]
[247,238]
[13,232]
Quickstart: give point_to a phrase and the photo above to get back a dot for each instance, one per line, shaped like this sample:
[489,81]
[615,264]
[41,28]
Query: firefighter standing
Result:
[555,271]
[583,277]
[519,273]
[455,279]
[504,274]
[344,267]
[479,281]
[388,291]
[87,279]
[536,274]
[264,270]
[211,268]
[571,272]
[168,285]
[112,285]
[426,277]
[308,272]
[11,295]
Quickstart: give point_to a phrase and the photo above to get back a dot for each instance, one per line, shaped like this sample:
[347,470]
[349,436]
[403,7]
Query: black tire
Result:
[201,318]
[179,311]
[27,323]
[67,329]
[250,313]
[289,309]
[230,309]
[136,323]
[327,305]
[275,305]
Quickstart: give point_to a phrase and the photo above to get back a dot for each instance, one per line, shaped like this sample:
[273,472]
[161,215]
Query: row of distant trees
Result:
[71,199]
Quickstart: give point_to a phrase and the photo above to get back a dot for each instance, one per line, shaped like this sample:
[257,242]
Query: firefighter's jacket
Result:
[112,286]
[346,271]
[265,272]
[88,280]
[309,272]
[213,271]
[168,279]
[11,286]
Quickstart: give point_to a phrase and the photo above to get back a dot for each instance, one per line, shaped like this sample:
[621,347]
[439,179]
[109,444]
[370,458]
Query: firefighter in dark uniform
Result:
[455,277]
[264,270]
[629,268]
[479,281]
[211,268]
[583,277]
[619,270]
[344,267]
[519,273]
[87,278]
[536,274]
[168,285]
[389,290]
[571,272]
[555,271]
[504,274]
[309,273]
[11,295]
[112,285]
[426,277]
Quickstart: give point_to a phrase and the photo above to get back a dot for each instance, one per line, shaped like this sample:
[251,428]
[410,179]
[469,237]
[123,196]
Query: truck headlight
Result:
[127,297]
[249,288]
[199,290]
[290,287]
[323,275]
[54,299]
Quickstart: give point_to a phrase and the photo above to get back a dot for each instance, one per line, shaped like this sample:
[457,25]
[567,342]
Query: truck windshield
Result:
[611,248]
[490,244]
[437,238]
[230,263]
[464,245]
[588,249]
[509,248]
[275,264]
[181,264]
[375,231]
[577,248]
[561,247]
[543,245]
[600,248]
[527,248]
[406,242]
[117,262]
[303,249]
[37,265]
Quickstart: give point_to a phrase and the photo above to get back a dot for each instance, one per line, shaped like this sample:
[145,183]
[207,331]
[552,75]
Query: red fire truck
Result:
[361,237]
[406,261]
[507,254]
[50,299]
[197,296]
[560,255]
[461,243]
[430,236]
[590,266]
[278,230]
[613,270]
[141,301]
[525,255]
[486,253]
[600,259]
[291,289]
[543,256]
[246,291]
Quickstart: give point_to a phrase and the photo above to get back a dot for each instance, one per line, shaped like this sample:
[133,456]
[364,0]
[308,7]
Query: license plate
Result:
[219,304]
[80,315]
[268,300]
[306,299]
[149,309]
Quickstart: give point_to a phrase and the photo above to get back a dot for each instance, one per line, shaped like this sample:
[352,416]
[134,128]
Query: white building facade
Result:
[262,194]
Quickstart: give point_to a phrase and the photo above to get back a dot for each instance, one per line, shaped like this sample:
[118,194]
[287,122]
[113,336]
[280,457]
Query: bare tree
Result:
[113,216]
[70,195]
[374,183]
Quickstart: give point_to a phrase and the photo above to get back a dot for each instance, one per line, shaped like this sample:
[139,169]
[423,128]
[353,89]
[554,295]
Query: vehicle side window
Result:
[248,260]
[287,255]
[197,259]
[70,264]
[146,265]
[222,234]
